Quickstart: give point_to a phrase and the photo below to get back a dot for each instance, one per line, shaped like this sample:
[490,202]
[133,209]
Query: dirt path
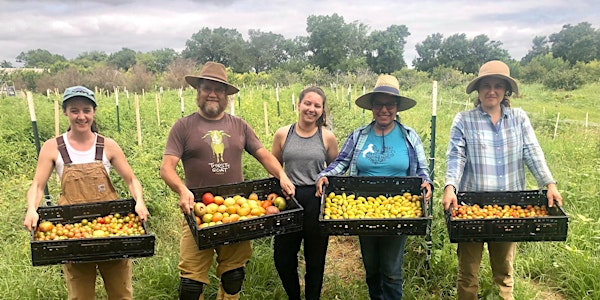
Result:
[344,261]
[343,258]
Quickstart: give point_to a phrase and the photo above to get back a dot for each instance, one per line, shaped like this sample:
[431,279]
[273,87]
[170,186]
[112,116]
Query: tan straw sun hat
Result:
[212,71]
[494,68]
[386,84]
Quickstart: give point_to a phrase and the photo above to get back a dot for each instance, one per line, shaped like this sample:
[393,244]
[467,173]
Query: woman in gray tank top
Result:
[304,149]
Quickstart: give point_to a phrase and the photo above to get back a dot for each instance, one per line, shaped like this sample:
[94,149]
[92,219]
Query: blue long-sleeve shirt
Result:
[346,160]
[483,157]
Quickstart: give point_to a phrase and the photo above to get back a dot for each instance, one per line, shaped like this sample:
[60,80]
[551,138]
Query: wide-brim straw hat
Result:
[212,71]
[494,68]
[386,84]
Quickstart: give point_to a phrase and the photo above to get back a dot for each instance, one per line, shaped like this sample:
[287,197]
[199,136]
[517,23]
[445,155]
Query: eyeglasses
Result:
[219,90]
[389,106]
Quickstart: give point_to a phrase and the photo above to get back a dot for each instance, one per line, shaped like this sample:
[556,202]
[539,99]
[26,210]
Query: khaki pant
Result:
[195,264]
[469,260]
[81,279]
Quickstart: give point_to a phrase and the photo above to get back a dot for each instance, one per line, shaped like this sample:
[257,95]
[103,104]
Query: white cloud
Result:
[70,28]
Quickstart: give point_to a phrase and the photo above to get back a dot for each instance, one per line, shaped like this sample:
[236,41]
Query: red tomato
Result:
[208,198]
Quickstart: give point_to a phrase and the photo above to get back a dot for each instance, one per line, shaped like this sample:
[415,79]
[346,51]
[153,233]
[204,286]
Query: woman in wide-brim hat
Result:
[385,147]
[497,69]
[488,149]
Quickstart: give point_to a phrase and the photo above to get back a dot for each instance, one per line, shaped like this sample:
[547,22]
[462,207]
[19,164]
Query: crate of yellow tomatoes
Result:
[505,217]
[374,205]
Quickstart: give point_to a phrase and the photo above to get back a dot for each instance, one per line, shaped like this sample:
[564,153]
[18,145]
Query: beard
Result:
[211,109]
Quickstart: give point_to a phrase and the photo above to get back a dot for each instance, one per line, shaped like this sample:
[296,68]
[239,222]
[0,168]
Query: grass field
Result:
[544,270]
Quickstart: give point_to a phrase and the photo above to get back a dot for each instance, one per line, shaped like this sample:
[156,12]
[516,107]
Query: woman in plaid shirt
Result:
[488,150]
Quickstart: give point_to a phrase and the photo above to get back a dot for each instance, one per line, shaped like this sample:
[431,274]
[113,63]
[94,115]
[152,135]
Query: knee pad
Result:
[232,280]
[190,289]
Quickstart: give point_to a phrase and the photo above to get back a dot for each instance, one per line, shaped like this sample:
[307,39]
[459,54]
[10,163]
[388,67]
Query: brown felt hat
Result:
[386,84]
[212,71]
[494,68]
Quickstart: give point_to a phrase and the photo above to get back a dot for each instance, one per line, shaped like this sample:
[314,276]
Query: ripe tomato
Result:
[45,226]
[208,198]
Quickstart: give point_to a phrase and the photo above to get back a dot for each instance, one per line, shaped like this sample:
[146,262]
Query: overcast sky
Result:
[71,27]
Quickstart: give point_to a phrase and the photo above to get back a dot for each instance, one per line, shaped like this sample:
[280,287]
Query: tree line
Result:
[333,49]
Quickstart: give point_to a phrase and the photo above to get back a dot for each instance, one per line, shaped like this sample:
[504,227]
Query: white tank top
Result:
[80,157]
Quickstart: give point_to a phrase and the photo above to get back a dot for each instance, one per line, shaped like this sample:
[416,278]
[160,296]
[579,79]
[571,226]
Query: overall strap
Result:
[62,149]
[99,147]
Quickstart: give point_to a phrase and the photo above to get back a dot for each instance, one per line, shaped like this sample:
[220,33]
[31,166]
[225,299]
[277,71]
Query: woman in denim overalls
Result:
[82,159]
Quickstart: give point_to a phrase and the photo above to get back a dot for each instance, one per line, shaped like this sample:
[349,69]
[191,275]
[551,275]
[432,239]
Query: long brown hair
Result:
[322,120]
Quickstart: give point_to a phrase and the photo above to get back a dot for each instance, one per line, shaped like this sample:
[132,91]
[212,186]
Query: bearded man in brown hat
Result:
[488,150]
[210,144]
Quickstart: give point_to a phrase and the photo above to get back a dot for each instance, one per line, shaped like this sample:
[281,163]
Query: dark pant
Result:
[287,246]
[383,257]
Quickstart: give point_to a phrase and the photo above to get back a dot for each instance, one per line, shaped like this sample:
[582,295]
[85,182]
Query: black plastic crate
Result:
[544,228]
[375,186]
[286,221]
[89,249]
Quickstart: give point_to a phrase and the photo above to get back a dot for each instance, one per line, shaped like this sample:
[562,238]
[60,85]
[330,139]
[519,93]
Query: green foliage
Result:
[569,79]
[457,52]
[266,50]
[222,45]
[334,44]
[540,47]
[385,52]
[450,77]
[538,69]
[410,78]
[315,75]
[576,43]
[122,59]
[39,58]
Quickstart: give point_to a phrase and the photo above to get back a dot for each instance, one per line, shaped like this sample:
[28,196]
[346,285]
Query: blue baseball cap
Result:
[79,91]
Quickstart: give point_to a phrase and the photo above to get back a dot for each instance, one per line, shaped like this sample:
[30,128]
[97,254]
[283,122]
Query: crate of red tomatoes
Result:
[506,217]
[89,232]
[242,211]
[374,205]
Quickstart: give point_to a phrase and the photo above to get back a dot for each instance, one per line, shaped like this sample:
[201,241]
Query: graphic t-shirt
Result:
[211,150]
[375,159]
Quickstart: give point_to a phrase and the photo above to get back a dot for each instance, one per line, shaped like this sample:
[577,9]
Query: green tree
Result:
[428,53]
[296,51]
[6,64]
[221,45]
[39,58]
[457,52]
[157,61]
[576,43]
[481,50]
[541,66]
[540,47]
[335,45]
[123,59]
[386,49]
[87,60]
[265,50]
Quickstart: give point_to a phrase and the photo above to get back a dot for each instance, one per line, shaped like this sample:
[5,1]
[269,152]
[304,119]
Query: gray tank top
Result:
[303,158]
